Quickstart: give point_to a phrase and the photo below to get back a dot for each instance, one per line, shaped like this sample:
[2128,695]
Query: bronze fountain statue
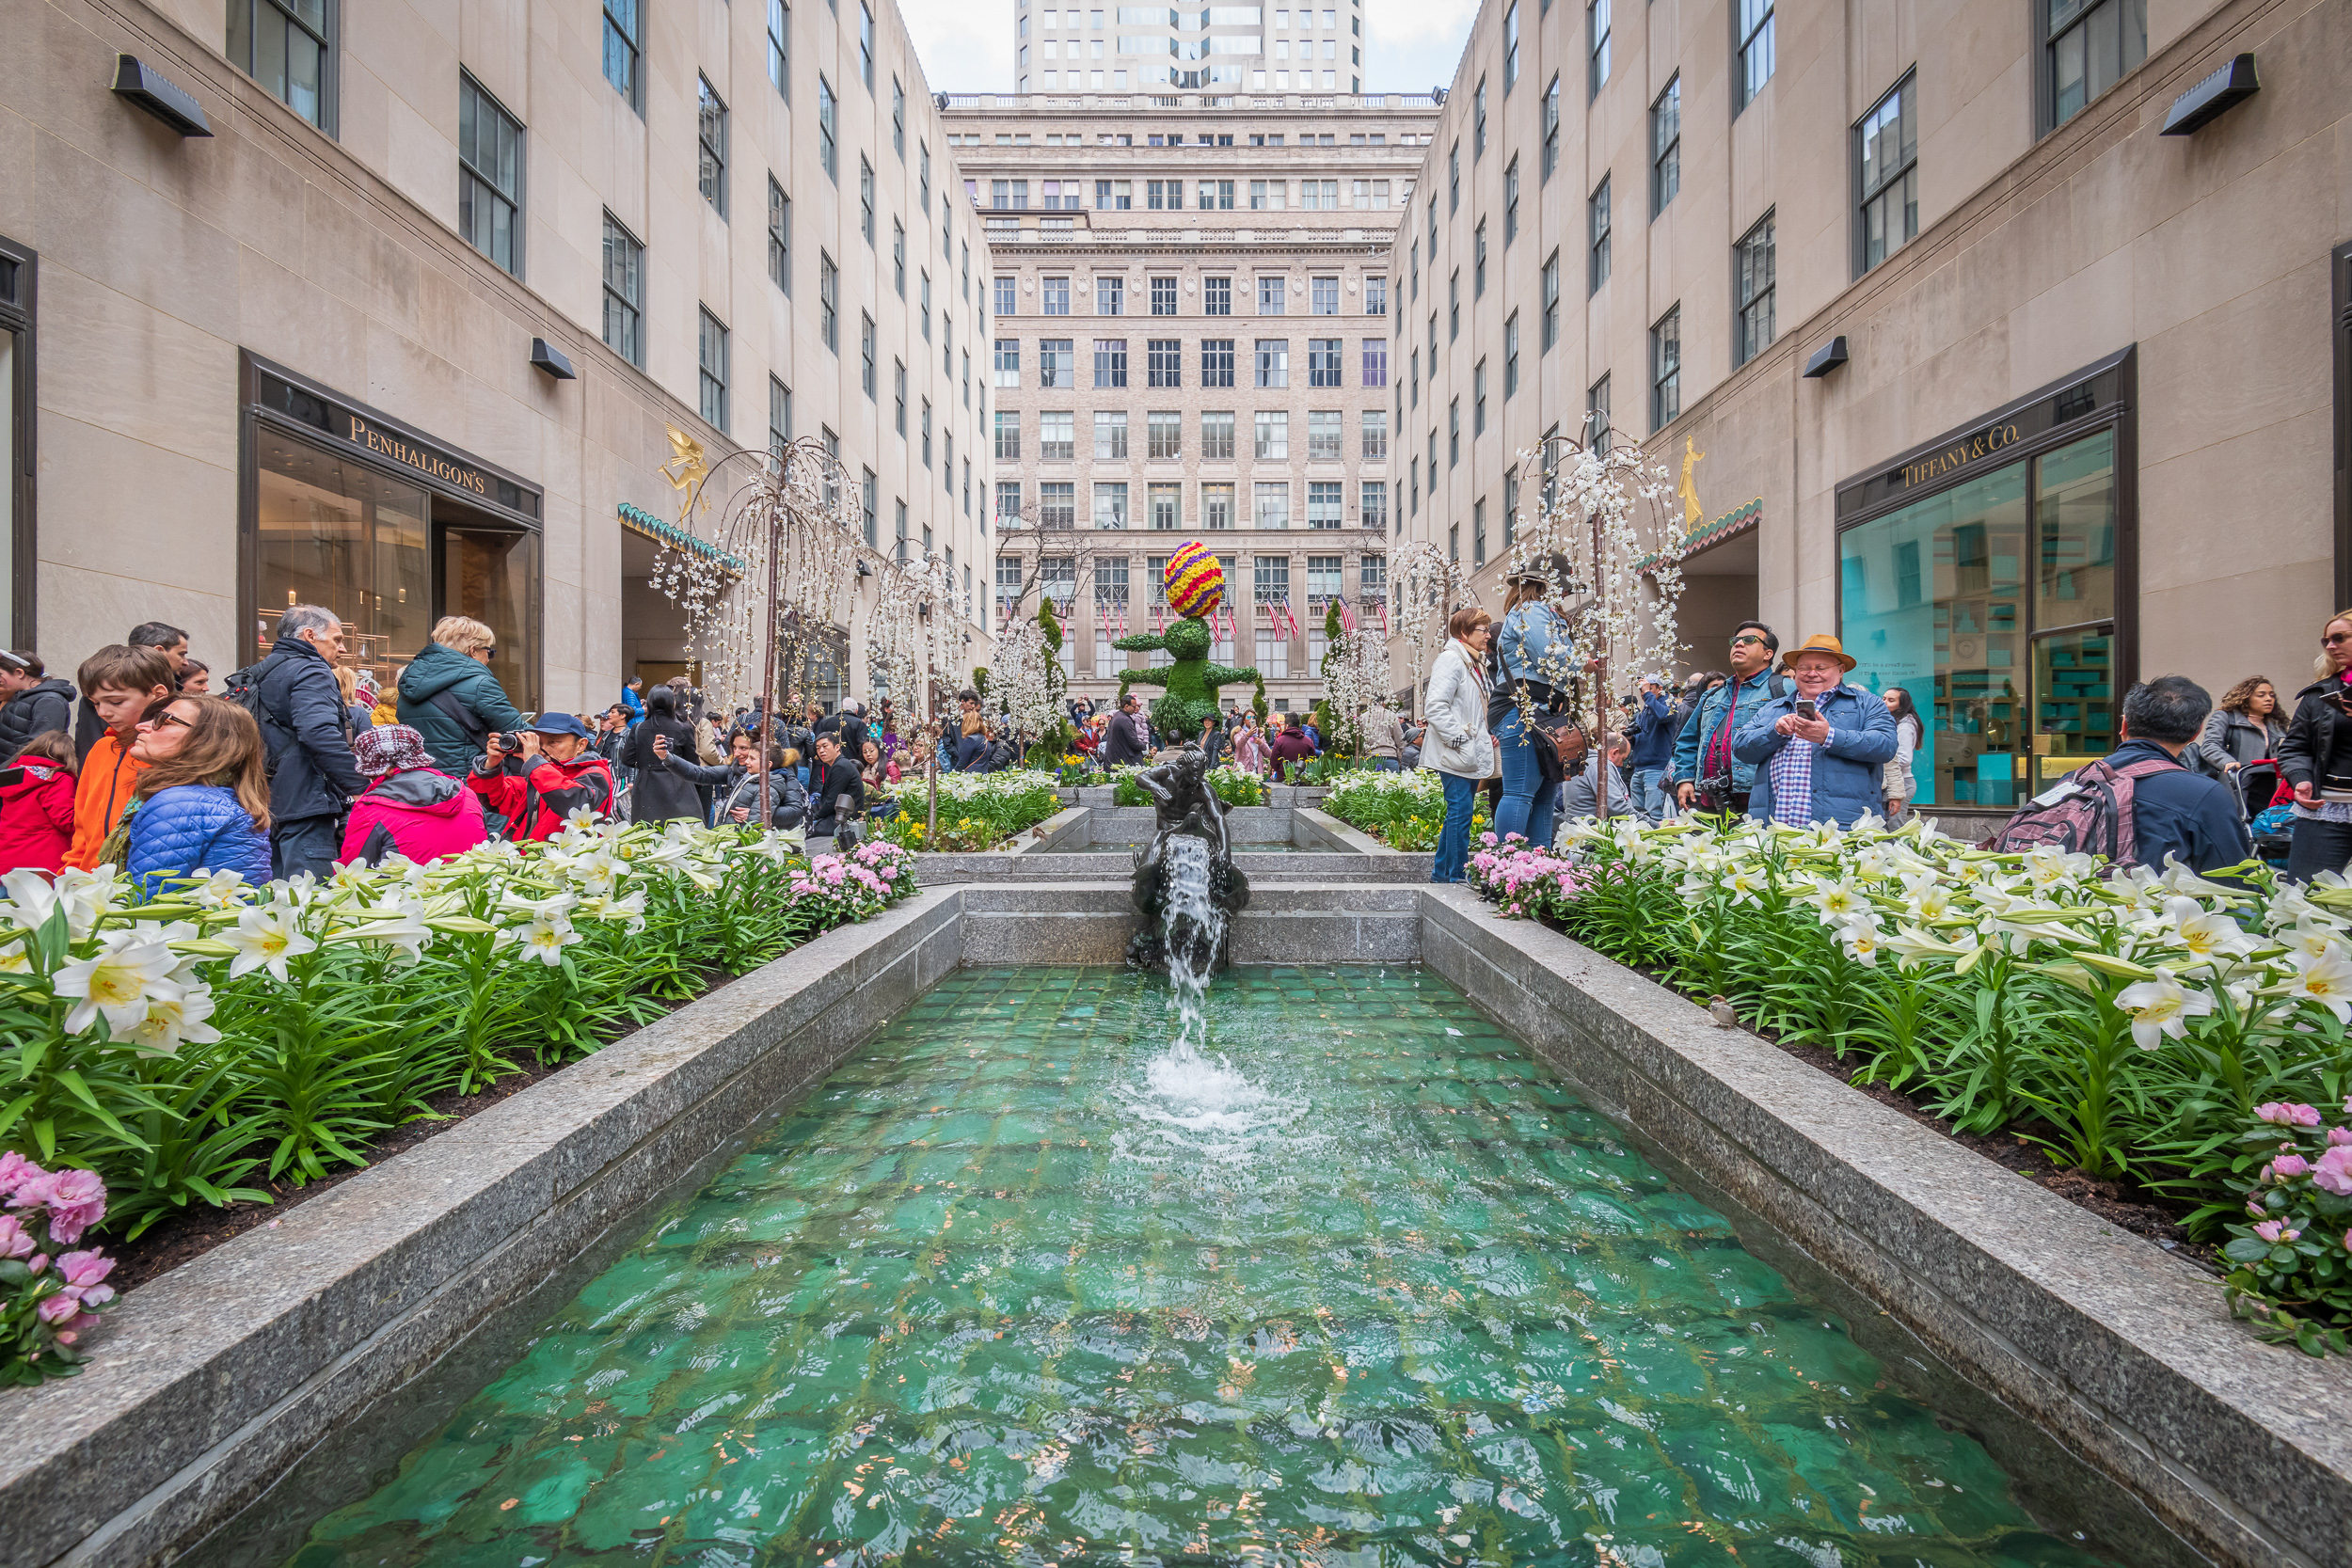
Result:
[1188,808]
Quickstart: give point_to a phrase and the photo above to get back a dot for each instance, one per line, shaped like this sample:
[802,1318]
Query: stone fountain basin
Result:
[209,1383]
[1269,842]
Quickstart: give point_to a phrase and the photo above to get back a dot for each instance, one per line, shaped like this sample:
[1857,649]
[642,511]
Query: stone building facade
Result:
[1193,343]
[1216,48]
[1957,353]
[404,332]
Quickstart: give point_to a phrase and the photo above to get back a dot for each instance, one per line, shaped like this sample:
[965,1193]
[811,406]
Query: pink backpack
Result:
[2088,812]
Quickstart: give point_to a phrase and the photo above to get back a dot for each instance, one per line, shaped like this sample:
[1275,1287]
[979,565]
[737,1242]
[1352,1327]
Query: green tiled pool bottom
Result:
[1013,1287]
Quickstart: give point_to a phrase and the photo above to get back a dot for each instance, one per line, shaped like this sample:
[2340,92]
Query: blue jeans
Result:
[1648,799]
[1527,807]
[1385,764]
[1452,858]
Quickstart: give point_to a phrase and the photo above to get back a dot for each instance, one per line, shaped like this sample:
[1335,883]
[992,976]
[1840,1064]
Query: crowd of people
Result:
[300,761]
[1789,739]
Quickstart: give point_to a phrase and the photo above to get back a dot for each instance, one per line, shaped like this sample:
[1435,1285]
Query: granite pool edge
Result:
[208,1381]
[2124,1352]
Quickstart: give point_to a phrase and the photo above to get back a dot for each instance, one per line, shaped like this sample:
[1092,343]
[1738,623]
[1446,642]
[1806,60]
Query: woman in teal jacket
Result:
[449,696]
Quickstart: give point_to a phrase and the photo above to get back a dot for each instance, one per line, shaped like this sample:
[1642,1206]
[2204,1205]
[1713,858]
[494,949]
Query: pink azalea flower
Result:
[15,1241]
[82,1270]
[15,1170]
[2339,1135]
[2286,1167]
[2334,1171]
[76,1199]
[2288,1116]
[2271,1230]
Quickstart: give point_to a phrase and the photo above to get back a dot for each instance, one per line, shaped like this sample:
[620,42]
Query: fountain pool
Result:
[1021,1282]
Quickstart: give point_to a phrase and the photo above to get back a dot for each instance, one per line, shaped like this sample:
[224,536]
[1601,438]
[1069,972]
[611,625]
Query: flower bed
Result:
[977,811]
[182,1048]
[2166,1030]
[1231,786]
[1404,811]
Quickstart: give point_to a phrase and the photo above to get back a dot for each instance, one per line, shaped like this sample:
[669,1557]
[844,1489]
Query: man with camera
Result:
[1705,774]
[560,775]
[1819,749]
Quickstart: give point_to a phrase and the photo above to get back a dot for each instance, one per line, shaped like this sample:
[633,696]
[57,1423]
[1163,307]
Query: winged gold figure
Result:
[687,465]
[1691,457]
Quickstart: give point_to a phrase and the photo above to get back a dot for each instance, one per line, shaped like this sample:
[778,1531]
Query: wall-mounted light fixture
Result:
[551,360]
[1827,359]
[2224,89]
[146,87]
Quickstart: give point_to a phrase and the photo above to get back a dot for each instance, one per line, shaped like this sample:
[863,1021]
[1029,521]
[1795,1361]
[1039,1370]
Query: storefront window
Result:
[335,531]
[2013,675]
[489,575]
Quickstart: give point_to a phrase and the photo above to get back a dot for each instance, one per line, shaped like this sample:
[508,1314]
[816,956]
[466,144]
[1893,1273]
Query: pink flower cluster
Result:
[48,1208]
[2288,1116]
[1525,880]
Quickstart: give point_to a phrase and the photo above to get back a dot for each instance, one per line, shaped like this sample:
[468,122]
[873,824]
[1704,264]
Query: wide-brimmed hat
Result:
[388,748]
[1820,643]
[1550,572]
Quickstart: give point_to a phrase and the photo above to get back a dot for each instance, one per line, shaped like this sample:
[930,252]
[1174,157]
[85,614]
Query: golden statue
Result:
[1691,457]
[687,466]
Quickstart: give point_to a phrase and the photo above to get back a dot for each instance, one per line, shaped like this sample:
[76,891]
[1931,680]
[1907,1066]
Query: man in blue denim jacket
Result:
[1704,749]
[1823,769]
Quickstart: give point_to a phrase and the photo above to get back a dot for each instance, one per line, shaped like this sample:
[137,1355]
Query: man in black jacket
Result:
[301,711]
[37,703]
[835,776]
[1128,741]
[2176,810]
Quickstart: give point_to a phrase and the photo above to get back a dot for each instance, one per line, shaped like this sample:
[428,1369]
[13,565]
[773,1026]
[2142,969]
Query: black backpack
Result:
[244,690]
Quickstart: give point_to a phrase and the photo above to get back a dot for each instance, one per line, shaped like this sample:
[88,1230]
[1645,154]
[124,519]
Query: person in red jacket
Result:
[37,804]
[560,775]
[409,809]
[1291,746]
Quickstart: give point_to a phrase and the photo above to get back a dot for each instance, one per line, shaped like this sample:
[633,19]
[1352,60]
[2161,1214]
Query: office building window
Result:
[1453,317]
[1478,399]
[866,45]
[1375,435]
[1752,270]
[1217,438]
[1478,260]
[1890,149]
[1110,505]
[898,257]
[711,137]
[927,433]
[1755,48]
[1268,195]
[1008,436]
[1166,504]
[1162,296]
[779,237]
[1110,361]
[285,46]
[1057,362]
[1551,127]
[1375,362]
[1322,297]
[1216,508]
[1274,436]
[1510,355]
[1665,369]
[1110,436]
[1372,503]
[1454,189]
[1665,147]
[1510,47]
[2091,45]
[1478,532]
[865,199]
[899,395]
[623,293]
[1217,296]
[1163,436]
[779,415]
[1322,435]
[1376,295]
[1008,363]
[1478,121]
[1510,506]
[1552,300]
[1216,361]
[1215,195]
[1327,507]
[1054,296]
[489,176]
[1273,296]
[1164,364]
[780,47]
[622,44]
[866,351]
[1271,509]
[1510,201]
[1323,361]
[829,302]
[1596,224]
[1057,504]
[1008,296]
[713,372]
[1008,502]
[1596,37]
[1452,435]
[1110,296]
[828,129]
[1056,436]
[1274,362]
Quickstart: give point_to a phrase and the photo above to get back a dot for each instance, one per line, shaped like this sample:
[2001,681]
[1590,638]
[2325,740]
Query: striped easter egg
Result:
[1195,582]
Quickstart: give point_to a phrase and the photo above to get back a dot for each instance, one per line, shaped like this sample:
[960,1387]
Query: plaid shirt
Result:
[1791,772]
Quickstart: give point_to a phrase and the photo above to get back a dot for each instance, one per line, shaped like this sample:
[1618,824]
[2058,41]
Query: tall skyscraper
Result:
[1206,48]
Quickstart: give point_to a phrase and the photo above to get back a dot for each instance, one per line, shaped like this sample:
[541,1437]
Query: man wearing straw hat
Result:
[1820,747]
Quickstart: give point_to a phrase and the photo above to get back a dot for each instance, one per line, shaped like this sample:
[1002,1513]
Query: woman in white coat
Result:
[1458,745]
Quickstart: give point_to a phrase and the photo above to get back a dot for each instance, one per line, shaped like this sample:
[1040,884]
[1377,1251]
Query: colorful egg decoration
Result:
[1195,582]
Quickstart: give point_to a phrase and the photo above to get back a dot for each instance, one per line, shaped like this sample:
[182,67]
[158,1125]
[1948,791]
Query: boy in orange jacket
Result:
[122,683]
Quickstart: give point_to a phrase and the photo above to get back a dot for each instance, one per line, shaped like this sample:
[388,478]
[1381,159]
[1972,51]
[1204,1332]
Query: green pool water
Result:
[1014,1286]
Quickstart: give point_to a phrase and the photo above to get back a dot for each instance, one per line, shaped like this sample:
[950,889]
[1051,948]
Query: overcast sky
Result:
[966,45]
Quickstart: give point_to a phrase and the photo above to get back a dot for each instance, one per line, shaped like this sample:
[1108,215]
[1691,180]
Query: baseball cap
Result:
[557,723]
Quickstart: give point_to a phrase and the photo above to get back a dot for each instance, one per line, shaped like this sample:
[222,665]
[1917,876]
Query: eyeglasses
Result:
[2340,636]
[1750,637]
[168,717]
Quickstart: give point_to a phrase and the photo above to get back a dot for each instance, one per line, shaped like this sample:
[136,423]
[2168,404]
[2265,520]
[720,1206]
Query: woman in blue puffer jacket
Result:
[202,804]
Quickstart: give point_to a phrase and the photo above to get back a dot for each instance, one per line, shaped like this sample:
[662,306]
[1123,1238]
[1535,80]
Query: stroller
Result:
[2257,782]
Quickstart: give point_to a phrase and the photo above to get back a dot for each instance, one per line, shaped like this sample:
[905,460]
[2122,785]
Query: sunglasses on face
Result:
[1739,641]
[168,717]
[2339,636]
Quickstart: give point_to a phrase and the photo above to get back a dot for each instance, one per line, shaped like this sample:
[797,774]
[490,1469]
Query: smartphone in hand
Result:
[1806,711]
